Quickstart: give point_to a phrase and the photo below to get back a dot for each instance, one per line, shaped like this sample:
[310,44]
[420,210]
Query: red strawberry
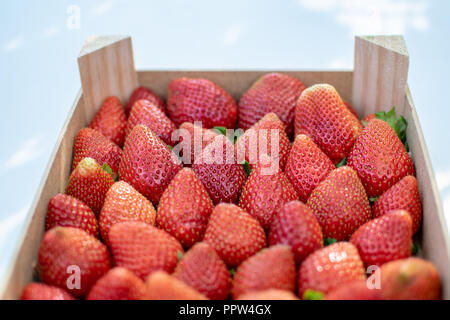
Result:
[111,120]
[330,267]
[91,143]
[147,113]
[184,208]
[307,166]
[355,290]
[410,279]
[234,234]
[202,100]
[89,183]
[147,163]
[402,195]
[259,138]
[67,211]
[147,94]
[296,226]
[340,204]
[322,115]
[41,291]
[162,286]
[124,203]
[190,135]
[63,248]
[143,248]
[202,269]
[351,109]
[273,92]
[218,171]
[264,194]
[269,294]
[117,284]
[379,158]
[384,239]
[271,268]
[368,118]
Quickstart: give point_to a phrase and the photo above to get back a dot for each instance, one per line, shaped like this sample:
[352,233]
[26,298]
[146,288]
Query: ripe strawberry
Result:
[351,109]
[184,208]
[322,115]
[89,183]
[384,239]
[269,294]
[124,203]
[67,211]
[307,166]
[265,135]
[379,158]
[295,225]
[234,234]
[162,286]
[147,94]
[147,163]
[368,118]
[63,248]
[143,248]
[271,268]
[190,135]
[111,120]
[402,195]
[217,169]
[264,194]
[355,290]
[330,267]
[202,100]
[202,269]
[117,284]
[410,279]
[90,143]
[147,113]
[41,291]
[340,204]
[273,92]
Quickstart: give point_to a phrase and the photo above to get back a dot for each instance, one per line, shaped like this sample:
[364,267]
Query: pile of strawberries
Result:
[140,219]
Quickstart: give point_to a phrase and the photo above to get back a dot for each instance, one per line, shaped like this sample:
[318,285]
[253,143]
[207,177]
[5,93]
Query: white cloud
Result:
[102,8]
[28,151]
[9,224]
[232,35]
[50,32]
[374,16]
[13,44]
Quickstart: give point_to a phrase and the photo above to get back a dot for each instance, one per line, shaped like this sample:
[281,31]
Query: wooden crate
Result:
[107,68]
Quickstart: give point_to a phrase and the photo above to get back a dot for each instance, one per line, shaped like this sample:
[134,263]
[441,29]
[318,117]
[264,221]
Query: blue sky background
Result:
[39,75]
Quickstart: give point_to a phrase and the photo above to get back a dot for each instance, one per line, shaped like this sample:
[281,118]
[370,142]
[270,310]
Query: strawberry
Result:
[89,183]
[63,248]
[190,134]
[379,158]
[259,137]
[67,211]
[111,120]
[322,115]
[234,234]
[117,284]
[271,268]
[147,94]
[202,269]
[184,208]
[269,294]
[264,194]
[273,92]
[217,169]
[330,267]
[351,109]
[124,203]
[340,204]
[295,225]
[162,286]
[41,291]
[147,113]
[410,279]
[143,248]
[307,166]
[384,239]
[368,118]
[147,163]
[402,195]
[202,100]
[90,143]
[355,290]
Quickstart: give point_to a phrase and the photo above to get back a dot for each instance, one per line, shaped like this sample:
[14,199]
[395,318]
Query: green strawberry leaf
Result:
[237,135]
[399,125]
[179,255]
[247,168]
[364,123]
[342,163]
[108,169]
[232,272]
[372,200]
[313,295]
[221,130]
[328,241]
[414,248]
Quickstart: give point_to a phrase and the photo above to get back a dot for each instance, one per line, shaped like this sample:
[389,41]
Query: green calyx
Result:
[414,248]
[221,130]
[342,163]
[179,255]
[108,169]
[399,125]
[232,272]
[372,200]
[247,168]
[328,241]
[313,295]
